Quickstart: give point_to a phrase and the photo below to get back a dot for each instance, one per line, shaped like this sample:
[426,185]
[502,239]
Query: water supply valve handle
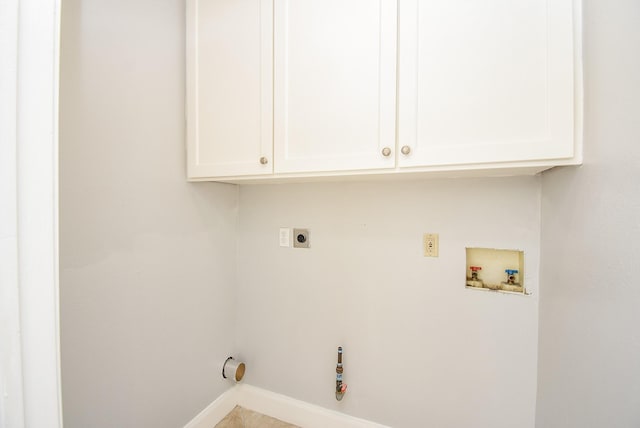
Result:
[511,279]
[474,272]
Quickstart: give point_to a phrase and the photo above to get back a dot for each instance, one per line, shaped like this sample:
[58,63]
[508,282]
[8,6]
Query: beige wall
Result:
[419,348]
[589,372]
[147,261]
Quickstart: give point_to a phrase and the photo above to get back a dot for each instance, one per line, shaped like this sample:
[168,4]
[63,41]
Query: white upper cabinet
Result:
[485,81]
[306,88]
[334,85]
[229,87]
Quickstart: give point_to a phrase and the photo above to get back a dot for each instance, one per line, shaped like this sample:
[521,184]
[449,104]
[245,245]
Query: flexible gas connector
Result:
[341,388]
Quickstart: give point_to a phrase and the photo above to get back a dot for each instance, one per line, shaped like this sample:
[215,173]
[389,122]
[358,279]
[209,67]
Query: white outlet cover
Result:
[285,237]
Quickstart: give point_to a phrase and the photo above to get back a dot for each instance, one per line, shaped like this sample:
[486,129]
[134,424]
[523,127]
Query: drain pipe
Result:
[233,369]
[341,388]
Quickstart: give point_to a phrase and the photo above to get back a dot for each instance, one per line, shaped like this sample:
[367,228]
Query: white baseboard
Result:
[278,406]
[216,411]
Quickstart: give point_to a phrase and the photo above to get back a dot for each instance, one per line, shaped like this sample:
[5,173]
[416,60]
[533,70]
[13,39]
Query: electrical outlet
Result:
[430,244]
[300,238]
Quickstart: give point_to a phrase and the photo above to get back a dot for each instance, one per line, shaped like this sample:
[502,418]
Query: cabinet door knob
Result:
[405,150]
[386,151]
[264,160]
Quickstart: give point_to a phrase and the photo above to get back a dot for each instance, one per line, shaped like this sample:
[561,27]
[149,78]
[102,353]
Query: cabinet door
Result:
[229,87]
[335,84]
[488,81]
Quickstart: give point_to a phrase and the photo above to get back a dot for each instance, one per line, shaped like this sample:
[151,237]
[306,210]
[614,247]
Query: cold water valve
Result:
[511,276]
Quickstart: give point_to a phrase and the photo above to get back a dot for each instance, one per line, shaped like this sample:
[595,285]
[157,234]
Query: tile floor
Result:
[240,417]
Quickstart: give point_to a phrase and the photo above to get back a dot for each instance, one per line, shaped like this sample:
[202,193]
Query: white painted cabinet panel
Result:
[229,87]
[306,88]
[335,84]
[485,82]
